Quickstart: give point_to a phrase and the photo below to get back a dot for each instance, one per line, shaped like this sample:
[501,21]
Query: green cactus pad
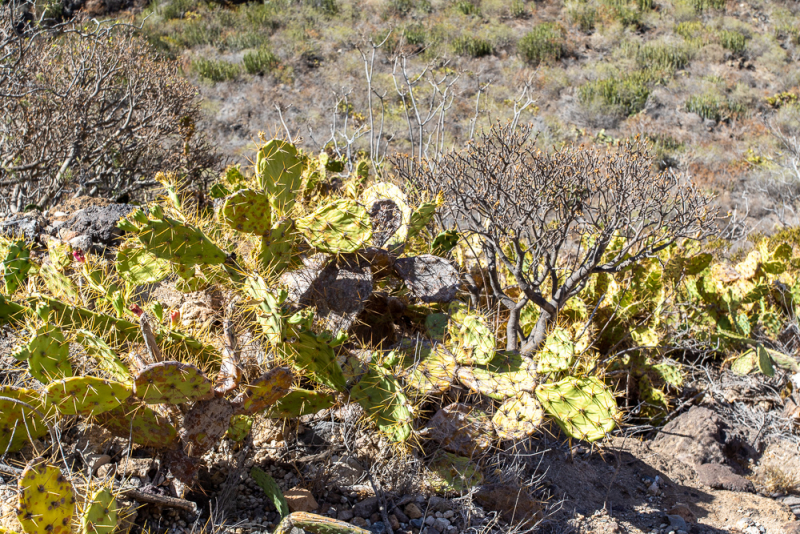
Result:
[239,428]
[279,172]
[444,242]
[172,383]
[300,402]
[86,395]
[382,398]
[316,524]
[16,265]
[58,284]
[247,211]
[583,407]
[558,352]
[204,425]
[518,417]
[436,326]
[48,354]
[270,489]
[507,375]
[341,227]
[277,252]
[265,391]
[102,513]
[421,217]
[19,424]
[311,353]
[433,371]
[138,266]
[764,361]
[470,339]
[177,242]
[746,363]
[451,473]
[46,500]
[269,313]
[140,424]
[106,359]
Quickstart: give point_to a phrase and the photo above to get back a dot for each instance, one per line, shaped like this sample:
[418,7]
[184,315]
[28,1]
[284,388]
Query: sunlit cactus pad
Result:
[172,383]
[583,407]
[341,227]
[19,424]
[518,417]
[86,395]
[300,402]
[101,514]
[264,391]
[46,500]
[141,424]
[247,211]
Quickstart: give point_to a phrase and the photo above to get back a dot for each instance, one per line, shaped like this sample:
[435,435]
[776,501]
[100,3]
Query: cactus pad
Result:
[460,429]
[451,473]
[471,340]
[421,217]
[518,417]
[340,227]
[279,172]
[746,363]
[141,425]
[434,372]
[316,524]
[583,407]
[558,352]
[177,242]
[138,267]
[429,278]
[106,359]
[247,211]
[311,353]
[271,490]
[204,425]
[46,500]
[48,354]
[300,402]
[239,428]
[19,424]
[764,361]
[507,375]
[172,383]
[16,265]
[377,194]
[265,391]
[102,514]
[86,395]
[382,397]
[277,247]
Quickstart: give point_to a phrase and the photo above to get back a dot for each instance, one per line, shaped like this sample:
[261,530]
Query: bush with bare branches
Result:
[89,109]
[547,220]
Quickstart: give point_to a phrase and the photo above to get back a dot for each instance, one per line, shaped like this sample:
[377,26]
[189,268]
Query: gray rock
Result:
[718,476]
[441,524]
[438,504]
[403,518]
[415,523]
[429,278]
[27,228]
[677,522]
[366,508]
[694,437]
[99,222]
[345,515]
[378,528]
[430,520]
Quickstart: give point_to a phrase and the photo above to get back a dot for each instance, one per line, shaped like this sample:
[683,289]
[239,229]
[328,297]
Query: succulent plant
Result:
[583,407]
[316,524]
[102,513]
[46,500]
[271,490]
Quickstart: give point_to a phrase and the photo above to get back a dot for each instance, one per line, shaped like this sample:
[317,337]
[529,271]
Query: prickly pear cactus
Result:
[101,514]
[507,375]
[265,391]
[583,407]
[86,395]
[48,354]
[247,211]
[16,265]
[558,353]
[518,417]
[277,253]
[172,383]
[451,473]
[106,358]
[470,339]
[204,425]
[341,227]
[46,500]
[279,172]
[140,424]
[270,489]
[19,424]
[312,354]
[316,524]
[429,370]
[300,402]
[239,427]
[382,397]
[138,266]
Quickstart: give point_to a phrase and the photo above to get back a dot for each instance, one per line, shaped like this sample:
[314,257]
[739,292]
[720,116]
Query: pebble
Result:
[430,520]
[412,511]
[448,514]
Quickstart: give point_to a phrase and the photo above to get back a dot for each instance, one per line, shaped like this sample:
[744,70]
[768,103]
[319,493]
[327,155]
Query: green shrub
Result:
[732,40]
[704,5]
[260,61]
[399,8]
[583,16]
[242,40]
[468,8]
[663,56]
[544,43]
[329,7]
[415,34]
[197,33]
[628,94]
[518,10]
[714,107]
[176,9]
[472,46]
[216,71]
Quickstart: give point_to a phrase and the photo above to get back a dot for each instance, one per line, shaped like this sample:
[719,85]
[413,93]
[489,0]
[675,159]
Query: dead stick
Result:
[162,500]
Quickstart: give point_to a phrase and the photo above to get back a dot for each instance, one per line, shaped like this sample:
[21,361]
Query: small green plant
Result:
[261,61]
[627,93]
[415,34]
[472,46]
[714,107]
[215,70]
[704,5]
[583,16]
[468,8]
[663,56]
[543,44]
[732,40]
[782,99]
[518,10]
[328,7]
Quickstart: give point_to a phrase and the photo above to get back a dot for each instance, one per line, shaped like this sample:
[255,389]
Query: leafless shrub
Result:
[550,218]
[87,108]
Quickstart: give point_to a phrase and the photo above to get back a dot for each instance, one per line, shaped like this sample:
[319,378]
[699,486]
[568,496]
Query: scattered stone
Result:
[366,508]
[429,278]
[719,476]
[683,511]
[345,515]
[359,522]
[459,431]
[693,437]
[412,511]
[402,517]
[300,500]
[99,223]
[677,522]
[394,521]
[438,504]
[510,500]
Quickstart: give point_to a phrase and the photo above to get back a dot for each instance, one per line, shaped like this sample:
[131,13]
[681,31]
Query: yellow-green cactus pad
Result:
[300,402]
[48,354]
[106,358]
[382,397]
[507,375]
[518,417]
[433,371]
[247,211]
[583,407]
[138,266]
[279,172]
[141,425]
[278,247]
[239,427]
[177,242]
[265,391]
[341,227]
[86,395]
[470,338]
[312,354]
[451,473]
[18,423]
[558,352]
[101,514]
[316,524]
[46,500]
[172,383]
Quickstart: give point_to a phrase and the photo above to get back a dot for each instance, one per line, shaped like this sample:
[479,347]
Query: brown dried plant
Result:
[549,218]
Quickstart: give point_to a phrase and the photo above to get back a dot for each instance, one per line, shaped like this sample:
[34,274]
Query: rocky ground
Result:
[727,459]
